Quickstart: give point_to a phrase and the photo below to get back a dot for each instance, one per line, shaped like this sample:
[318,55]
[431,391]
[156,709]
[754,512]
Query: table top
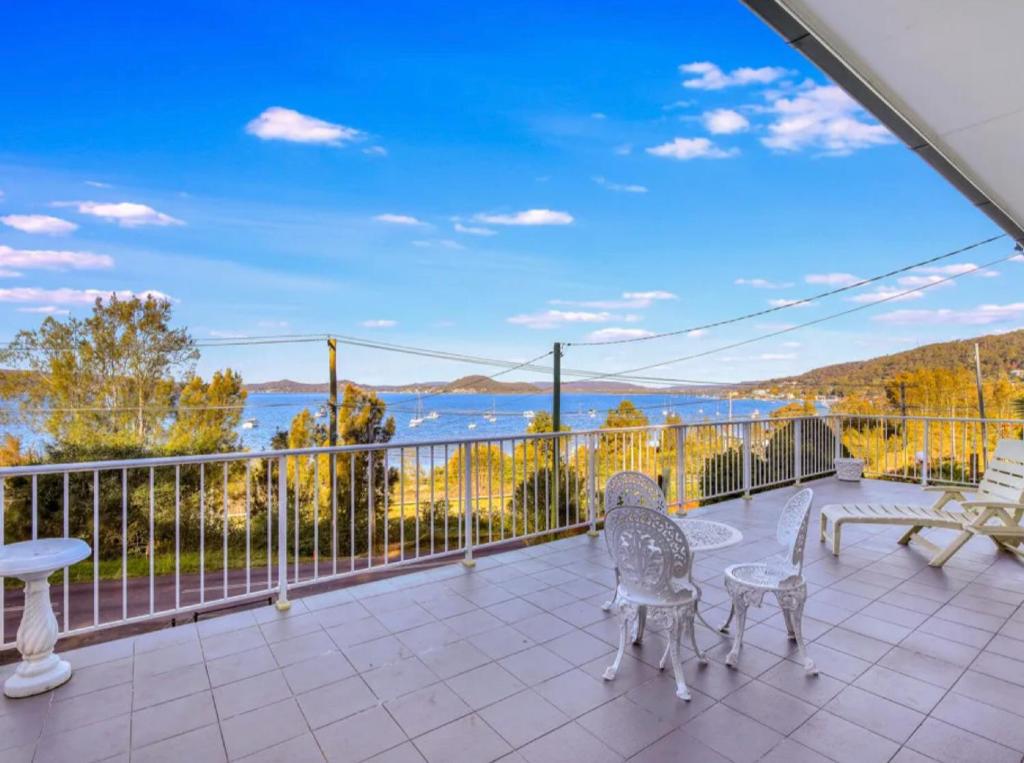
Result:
[31,557]
[708,535]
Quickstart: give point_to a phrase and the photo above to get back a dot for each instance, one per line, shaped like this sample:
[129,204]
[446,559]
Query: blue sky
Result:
[477,179]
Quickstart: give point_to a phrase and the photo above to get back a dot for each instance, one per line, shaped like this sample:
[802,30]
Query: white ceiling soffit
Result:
[945,76]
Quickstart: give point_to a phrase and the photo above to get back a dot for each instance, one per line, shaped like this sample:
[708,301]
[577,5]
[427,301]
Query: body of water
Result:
[479,415]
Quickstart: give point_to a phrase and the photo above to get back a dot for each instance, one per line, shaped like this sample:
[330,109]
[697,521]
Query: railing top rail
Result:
[165,461]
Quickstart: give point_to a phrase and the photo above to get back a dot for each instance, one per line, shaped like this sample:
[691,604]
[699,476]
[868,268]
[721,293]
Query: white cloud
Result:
[957,269]
[527,217]
[379,323]
[624,187]
[982,315]
[97,184]
[473,230]
[1017,258]
[612,334]
[822,117]
[624,150]
[51,226]
[691,148]
[762,283]
[45,310]
[127,214]
[725,121]
[219,334]
[631,300]
[913,282]
[832,279]
[277,123]
[47,259]
[885,294]
[75,296]
[375,151]
[789,303]
[547,319]
[777,356]
[792,344]
[392,219]
[650,296]
[709,76]
[697,333]
[598,116]
[443,243]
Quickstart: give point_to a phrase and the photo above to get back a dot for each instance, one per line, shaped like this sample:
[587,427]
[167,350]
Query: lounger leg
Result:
[823,527]
[611,670]
[615,594]
[737,643]
[944,556]
[837,529]
[909,534]
[677,663]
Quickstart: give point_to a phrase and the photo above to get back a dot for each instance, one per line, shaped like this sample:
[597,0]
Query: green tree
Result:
[208,414]
[105,380]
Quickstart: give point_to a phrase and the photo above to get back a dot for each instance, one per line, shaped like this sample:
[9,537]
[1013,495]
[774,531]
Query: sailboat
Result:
[529,415]
[491,417]
[416,420]
[432,416]
[249,424]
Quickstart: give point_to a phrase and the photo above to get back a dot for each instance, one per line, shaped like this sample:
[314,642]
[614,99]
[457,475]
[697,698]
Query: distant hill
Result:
[1000,354]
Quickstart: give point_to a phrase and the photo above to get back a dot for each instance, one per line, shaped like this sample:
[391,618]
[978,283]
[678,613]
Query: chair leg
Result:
[725,625]
[792,603]
[677,663]
[664,655]
[737,643]
[641,625]
[615,593]
[787,617]
[691,626]
[611,670]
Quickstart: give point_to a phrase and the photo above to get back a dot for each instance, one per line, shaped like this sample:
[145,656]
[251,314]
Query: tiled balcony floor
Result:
[505,662]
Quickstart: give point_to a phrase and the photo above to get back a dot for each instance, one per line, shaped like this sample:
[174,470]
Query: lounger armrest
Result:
[992,505]
[946,489]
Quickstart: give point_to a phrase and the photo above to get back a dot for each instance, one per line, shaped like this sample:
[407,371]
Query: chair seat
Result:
[684,596]
[761,575]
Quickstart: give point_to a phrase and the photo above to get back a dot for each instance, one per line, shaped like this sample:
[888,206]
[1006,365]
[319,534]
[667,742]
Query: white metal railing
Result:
[171,536]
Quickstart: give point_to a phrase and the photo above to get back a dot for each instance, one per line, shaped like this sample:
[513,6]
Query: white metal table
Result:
[702,535]
[33,561]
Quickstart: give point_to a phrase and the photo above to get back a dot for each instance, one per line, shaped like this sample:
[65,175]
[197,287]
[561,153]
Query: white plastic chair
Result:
[781,575]
[653,559]
[631,489]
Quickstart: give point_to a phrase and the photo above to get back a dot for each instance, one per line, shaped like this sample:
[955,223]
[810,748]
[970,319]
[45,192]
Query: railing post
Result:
[282,535]
[467,481]
[925,453]
[746,458]
[681,467]
[837,451]
[592,484]
[798,450]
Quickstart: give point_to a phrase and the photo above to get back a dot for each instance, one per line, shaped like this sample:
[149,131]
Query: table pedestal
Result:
[40,669]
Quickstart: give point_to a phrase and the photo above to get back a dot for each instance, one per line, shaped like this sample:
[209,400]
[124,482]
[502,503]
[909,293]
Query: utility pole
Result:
[332,399]
[556,390]
[981,406]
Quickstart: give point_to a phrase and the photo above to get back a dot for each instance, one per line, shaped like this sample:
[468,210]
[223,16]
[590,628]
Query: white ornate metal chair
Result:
[631,489]
[653,560]
[781,575]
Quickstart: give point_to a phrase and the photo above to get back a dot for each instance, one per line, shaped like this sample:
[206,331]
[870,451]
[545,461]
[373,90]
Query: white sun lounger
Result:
[999,497]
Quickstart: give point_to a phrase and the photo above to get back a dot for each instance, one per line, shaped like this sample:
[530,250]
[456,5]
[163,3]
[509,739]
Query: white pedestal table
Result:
[33,561]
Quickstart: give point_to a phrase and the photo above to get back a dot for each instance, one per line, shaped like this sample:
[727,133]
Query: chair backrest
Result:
[650,552]
[1004,476]
[633,489]
[791,532]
